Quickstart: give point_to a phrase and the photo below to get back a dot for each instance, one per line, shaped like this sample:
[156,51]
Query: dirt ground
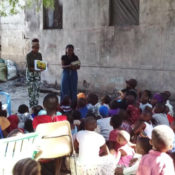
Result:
[18,91]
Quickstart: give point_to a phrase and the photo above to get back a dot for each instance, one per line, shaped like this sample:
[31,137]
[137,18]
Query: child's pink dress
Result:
[156,163]
[125,160]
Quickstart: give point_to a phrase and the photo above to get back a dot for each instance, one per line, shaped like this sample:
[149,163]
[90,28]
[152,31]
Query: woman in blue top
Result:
[69,78]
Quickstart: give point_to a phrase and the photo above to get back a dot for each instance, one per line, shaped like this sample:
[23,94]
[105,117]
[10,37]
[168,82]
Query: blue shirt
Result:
[83,112]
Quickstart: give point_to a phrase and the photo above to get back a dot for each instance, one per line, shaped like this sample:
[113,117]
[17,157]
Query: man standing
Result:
[33,77]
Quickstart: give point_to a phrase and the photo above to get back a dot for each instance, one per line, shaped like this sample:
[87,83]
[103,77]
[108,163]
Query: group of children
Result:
[132,133]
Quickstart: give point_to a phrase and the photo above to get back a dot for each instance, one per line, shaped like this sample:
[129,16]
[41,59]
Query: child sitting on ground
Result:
[114,110]
[143,147]
[125,153]
[115,122]
[157,98]
[105,101]
[18,120]
[166,96]
[104,123]
[82,108]
[66,105]
[93,155]
[81,95]
[144,100]
[157,162]
[159,114]
[51,104]
[173,128]
[125,124]
[27,167]
[131,84]
[144,125]
[36,110]
[2,112]
[75,121]
[92,100]
[23,115]
[132,107]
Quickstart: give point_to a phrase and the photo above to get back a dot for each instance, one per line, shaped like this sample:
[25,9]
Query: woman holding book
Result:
[33,76]
[69,80]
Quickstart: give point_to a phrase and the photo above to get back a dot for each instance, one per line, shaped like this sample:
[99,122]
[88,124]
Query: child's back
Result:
[159,115]
[157,162]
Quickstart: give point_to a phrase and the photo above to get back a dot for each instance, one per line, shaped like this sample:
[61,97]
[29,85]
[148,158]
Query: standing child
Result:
[33,77]
[157,162]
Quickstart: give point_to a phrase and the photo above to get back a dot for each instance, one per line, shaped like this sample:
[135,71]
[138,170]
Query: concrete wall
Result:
[109,55]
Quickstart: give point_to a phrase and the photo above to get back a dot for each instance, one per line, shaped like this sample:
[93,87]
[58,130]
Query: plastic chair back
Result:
[14,149]
[8,101]
[56,140]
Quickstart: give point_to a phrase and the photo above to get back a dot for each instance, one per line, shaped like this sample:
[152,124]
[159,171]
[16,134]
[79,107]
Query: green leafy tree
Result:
[13,7]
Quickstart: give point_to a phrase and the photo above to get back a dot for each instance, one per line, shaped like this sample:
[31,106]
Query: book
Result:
[40,65]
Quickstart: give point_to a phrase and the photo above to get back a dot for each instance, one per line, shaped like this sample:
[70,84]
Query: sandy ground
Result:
[18,92]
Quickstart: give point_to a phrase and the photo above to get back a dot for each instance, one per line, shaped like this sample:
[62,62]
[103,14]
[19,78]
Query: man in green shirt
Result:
[33,77]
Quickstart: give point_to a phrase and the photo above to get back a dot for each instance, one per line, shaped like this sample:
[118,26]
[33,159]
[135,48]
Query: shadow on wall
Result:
[86,84]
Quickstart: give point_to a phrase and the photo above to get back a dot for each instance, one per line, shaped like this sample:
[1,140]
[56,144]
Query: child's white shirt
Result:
[105,127]
[171,111]
[148,129]
[89,146]
[143,106]
[133,169]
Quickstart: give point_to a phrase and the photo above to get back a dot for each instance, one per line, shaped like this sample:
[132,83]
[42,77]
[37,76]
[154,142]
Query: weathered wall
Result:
[109,55]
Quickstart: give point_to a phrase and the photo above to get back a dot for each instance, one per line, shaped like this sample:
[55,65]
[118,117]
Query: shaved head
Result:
[90,123]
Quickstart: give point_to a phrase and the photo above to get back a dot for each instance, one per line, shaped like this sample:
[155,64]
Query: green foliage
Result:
[13,7]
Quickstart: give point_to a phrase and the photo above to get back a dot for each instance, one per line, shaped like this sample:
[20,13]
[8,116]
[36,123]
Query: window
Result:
[124,12]
[53,17]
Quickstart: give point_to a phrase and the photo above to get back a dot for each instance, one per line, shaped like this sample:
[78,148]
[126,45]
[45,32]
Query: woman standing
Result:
[69,79]
[33,77]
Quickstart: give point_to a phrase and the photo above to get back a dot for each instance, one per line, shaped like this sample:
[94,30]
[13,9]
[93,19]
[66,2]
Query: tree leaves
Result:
[13,7]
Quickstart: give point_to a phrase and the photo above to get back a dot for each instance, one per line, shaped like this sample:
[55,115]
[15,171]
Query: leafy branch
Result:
[13,7]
